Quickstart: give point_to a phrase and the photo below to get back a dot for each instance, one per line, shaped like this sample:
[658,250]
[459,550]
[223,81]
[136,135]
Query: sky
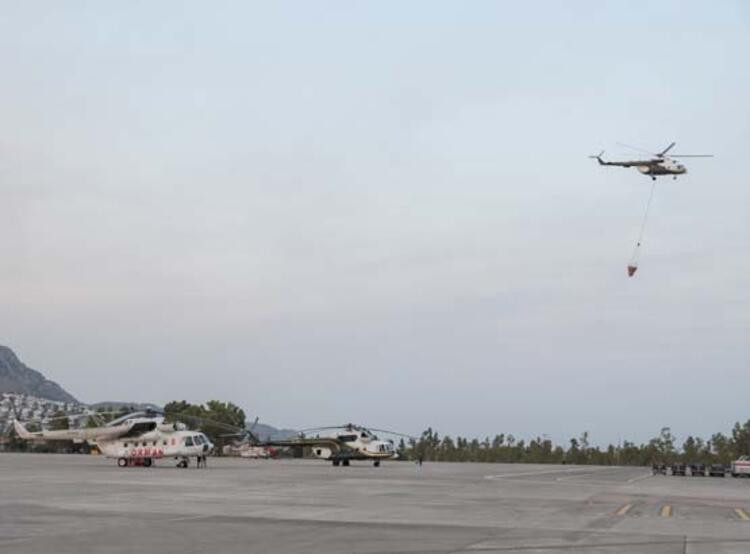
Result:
[381,212]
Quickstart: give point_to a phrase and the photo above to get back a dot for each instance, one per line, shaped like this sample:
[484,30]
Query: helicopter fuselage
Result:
[651,168]
[662,167]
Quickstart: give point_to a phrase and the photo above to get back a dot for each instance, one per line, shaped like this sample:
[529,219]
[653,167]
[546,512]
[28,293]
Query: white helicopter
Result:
[138,438]
[659,164]
[348,442]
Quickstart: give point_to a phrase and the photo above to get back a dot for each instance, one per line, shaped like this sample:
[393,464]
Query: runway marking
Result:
[742,514]
[639,478]
[545,472]
[666,511]
[624,510]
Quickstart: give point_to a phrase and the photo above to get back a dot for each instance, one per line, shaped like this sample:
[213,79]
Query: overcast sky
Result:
[381,212]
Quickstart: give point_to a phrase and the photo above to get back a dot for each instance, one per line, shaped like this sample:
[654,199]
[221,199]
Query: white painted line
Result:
[545,472]
[624,510]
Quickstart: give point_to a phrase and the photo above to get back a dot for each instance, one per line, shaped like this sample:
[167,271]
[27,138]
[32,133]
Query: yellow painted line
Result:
[742,514]
[624,510]
[666,511]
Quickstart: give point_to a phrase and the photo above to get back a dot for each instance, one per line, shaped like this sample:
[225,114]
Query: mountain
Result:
[17,377]
[267,432]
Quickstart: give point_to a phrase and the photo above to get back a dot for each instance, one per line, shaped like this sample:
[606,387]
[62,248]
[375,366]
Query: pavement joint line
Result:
[624,509]
[188,518]
[742,514]
[666,511]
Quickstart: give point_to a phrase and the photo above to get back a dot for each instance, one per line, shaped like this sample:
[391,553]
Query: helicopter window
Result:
[363,435]
[124,445]
[165,443]
[188,441]
[144,443]
[347,438]
[154,443]
[198,439]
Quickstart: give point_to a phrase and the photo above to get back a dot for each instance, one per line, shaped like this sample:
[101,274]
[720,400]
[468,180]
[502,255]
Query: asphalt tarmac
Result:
[79,504]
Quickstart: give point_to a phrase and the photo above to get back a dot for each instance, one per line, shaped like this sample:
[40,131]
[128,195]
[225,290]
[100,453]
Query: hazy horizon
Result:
[381,212]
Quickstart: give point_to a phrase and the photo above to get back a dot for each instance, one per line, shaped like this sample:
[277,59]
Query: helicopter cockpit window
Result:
[188,441]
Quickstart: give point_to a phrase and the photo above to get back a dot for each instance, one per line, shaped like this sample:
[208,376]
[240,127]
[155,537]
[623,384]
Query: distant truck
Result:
[741,467]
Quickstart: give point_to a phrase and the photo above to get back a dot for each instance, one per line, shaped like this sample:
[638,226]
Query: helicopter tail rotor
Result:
[598,157]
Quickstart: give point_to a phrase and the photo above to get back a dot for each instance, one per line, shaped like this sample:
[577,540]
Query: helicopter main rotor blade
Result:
[392,433]
[257,418]
[691,156]
[194,418]
[637,149]
[667,149]
[327,428]
[68,416]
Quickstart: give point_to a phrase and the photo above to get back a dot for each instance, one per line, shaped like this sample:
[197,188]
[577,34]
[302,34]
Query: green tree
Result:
[58,421]
[216,419]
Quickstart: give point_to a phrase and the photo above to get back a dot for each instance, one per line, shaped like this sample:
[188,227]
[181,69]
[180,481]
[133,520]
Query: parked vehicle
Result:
[678,469]
[698,469]
[659,468]
[717,470]
[741,467]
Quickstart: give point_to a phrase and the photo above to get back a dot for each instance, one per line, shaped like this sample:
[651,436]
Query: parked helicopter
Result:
[249,445]
[137,438]
[348,442]
[659,164]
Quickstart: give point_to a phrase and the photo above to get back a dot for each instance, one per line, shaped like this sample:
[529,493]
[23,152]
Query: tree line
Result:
[218,419]
[505,448]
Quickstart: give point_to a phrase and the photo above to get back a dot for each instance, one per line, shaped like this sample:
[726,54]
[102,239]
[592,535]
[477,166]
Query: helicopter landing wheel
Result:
[345,463]
[376,463]
[147,462]
[122,462]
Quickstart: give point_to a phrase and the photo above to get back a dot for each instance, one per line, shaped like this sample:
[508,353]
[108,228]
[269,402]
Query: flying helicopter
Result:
[137,438]
[658,164]
[346,442]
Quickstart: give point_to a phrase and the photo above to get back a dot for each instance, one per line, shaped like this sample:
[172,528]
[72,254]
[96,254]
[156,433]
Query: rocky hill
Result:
[17,377]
